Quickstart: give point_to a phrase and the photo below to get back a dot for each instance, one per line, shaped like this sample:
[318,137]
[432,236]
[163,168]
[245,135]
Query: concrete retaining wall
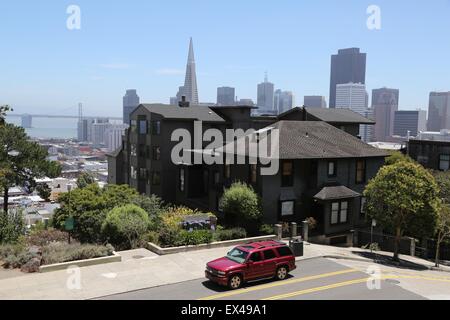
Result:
[162,251]
[80,263]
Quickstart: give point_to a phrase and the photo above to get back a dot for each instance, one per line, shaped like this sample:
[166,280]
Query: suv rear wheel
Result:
[235,282]
[282,273]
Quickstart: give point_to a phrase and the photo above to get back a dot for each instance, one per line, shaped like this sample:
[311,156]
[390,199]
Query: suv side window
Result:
[269,254]
[284,251]
[255,257]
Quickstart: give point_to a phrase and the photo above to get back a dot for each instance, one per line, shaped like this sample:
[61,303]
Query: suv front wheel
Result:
[282,273]
[235,282]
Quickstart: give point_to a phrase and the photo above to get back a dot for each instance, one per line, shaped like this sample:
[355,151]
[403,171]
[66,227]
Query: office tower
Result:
[315,102]
[349,65]
[113,136]
[410,122]
[98,133]
[385,104]
[283,101]
[190,83]
[439,111]
[225,96]
[27,121]
[367,131]
[353,96]
[265,96]
[130,102]
[84,130]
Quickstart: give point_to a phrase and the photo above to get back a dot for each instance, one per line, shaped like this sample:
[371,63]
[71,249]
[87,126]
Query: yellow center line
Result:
[277,284]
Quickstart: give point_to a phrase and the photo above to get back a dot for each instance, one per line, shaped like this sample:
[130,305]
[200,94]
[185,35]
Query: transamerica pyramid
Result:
[190,82]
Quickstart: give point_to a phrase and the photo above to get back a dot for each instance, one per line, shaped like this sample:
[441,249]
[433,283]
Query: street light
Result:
[373,225]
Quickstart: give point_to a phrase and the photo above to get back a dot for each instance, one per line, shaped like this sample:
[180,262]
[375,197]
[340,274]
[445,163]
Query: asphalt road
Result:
[316,279]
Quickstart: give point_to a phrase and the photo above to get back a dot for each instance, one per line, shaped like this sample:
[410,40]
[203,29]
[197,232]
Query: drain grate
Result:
[138,257]
[392,281]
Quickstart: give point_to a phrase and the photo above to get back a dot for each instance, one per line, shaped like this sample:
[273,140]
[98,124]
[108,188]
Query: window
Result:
[133,125]
[332,169]
[147,152]
[444,162]
[156,128]
[269,254]
[287,208]
[216,177]
[287,176]
[142,150]
[253,173]
[133,151]
[339,212]
[360,171]
[142,126]
[143,173]
[156,178]
[156,154]
[182,179]
[363,205]
[284,251]
[255,257]
[133,173]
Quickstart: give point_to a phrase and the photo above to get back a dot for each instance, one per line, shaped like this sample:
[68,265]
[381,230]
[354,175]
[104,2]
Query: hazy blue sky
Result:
[143,44]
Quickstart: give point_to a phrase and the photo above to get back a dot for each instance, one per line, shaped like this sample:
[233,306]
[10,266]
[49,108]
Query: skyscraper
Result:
[315,102]
[130,102]
[384,104]
[225,96]
[265,102]
[353,96]
[412,121]
[349,65]
[439,111]
[113,136]
[190,83]
[283,101]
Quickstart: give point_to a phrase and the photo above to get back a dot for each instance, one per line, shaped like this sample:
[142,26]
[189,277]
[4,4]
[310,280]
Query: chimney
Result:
[183,103]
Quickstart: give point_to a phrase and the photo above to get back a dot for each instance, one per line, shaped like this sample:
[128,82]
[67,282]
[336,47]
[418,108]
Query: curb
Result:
[81,263]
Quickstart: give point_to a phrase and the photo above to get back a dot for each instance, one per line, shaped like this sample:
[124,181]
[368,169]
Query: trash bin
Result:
[296,245]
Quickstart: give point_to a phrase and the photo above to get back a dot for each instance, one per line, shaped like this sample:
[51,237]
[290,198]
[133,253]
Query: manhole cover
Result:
[138,257]
[392,281]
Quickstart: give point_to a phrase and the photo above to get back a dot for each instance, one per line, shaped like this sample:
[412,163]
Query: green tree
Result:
[22,161]
[124,226]
[443,229]
[44,191]
[89,206]
[3,111]
[403,198]
[154,207]
[12,227]
[85,179]
[397,156]
[443,180]
[241,206]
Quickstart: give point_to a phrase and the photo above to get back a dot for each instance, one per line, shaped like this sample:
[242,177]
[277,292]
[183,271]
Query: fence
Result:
[385,242]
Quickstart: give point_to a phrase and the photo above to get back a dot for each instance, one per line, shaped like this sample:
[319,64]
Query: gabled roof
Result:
[200,113]
[313,140]
[335,193]
[329,115]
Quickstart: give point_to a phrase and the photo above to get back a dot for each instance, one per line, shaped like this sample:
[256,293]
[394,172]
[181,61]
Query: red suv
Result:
[251,262]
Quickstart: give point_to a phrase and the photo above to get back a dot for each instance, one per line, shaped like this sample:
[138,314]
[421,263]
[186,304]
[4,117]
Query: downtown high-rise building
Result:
[315,101]
[130,102]
[226,96]
[353,96]
[113,136]
[384,104]
[190,90]
[439,111]
[349,65]
[410,122]
[84,129]
[265,98]
[283,101]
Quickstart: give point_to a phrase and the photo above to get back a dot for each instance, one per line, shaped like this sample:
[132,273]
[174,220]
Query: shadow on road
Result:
[215,287]
[387,260]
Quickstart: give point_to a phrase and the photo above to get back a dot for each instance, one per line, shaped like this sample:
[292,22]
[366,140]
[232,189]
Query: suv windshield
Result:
[237,255]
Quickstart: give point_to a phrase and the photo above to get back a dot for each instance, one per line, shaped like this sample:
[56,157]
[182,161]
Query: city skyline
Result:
[67,67]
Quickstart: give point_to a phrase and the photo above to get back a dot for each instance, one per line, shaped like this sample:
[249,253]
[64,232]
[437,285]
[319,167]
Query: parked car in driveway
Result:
[252,262]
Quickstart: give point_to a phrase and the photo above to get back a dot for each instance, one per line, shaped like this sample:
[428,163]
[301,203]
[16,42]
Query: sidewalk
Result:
[142,269]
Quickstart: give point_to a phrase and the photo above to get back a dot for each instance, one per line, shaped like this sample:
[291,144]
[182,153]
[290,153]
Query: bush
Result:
[63,252]
[12,226]
[151,236]
[125,226]
[169,236]
[10,249]
[17,260]
[230,234]
[266,230]
[44,237]
[241,206]
[196,237]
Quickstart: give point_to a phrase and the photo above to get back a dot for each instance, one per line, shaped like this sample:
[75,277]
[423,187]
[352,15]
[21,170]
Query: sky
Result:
[143,44]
